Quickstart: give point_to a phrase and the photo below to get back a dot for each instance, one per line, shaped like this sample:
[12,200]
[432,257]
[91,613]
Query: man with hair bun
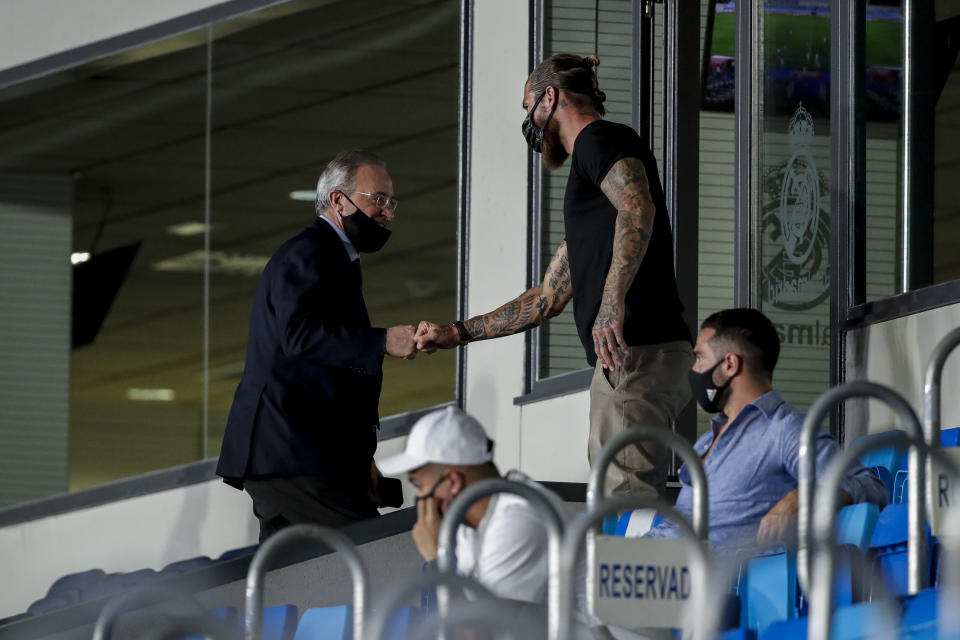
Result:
[616,263]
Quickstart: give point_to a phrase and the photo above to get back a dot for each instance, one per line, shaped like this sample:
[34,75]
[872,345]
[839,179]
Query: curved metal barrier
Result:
[931,412]
[545,507]
[698,477]
[267,554]
[574,540]
[141,597]
[490,615]
[948,612]
[398,594]
[917,546]
[178,628]
[931,386]
[821,594]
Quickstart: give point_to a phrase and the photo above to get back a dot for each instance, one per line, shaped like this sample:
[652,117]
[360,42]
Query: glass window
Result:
[792,225]
[290,86]
[927,234]
[572,26]
[717,167]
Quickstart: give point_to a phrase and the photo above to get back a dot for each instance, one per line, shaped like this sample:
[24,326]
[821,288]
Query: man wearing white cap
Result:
[504,543]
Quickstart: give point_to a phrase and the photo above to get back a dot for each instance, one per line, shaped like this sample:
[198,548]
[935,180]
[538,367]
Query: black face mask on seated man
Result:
[366,235]
[709,395]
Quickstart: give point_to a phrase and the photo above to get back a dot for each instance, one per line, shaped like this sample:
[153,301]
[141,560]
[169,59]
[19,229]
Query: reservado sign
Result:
[639,582]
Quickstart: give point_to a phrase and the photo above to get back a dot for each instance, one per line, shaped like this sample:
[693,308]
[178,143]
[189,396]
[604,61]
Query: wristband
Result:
[462,332]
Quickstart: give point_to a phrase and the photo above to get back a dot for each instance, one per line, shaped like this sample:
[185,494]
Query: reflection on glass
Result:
[291,88]
[569,27]
[119,146]
[717,168]
[883,107]
[793,224]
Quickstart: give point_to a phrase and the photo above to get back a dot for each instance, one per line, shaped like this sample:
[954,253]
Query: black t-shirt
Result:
[653,307]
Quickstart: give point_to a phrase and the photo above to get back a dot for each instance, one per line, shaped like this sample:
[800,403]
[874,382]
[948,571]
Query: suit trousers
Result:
[281,501]
[651,388]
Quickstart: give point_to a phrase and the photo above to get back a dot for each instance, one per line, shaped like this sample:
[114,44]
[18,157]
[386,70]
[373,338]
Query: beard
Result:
[554,155]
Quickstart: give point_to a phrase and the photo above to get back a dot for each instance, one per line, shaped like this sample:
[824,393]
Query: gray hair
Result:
[340,173]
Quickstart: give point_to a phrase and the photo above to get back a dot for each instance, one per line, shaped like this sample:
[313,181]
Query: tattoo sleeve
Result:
[627,188]
[529,309]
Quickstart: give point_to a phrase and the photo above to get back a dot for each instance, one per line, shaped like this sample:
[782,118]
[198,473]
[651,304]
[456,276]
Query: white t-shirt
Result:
[507,553]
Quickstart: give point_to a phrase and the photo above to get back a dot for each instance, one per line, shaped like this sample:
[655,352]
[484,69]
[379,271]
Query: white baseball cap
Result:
[447,436]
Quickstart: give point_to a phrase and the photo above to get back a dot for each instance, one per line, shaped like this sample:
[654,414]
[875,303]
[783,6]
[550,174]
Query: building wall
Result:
[895,353]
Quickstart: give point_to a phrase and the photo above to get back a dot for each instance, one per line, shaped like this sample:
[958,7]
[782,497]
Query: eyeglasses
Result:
[382,201]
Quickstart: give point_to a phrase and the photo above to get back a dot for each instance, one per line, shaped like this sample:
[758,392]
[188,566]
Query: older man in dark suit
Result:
[303,427]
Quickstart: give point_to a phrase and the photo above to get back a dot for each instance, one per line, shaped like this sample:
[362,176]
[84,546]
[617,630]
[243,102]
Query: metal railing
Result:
[917,545]
[575,538]
[397,594]
[546,509]
[138,598]
[698,477]
[267,554]
[821,594]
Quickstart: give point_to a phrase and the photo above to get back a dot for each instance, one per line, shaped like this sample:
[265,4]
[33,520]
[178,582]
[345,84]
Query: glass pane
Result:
[126,133]
[946,199]
[569,27]
[293,86]
[933,251]
[883,108]
[717,167]
[793,224]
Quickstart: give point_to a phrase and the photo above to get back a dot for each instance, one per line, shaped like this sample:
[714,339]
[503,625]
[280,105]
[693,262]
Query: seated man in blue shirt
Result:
[751,451]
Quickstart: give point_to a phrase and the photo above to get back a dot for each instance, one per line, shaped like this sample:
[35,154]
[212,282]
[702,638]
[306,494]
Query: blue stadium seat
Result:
[889,546]
[737,634]
[279,622]
[887,478]
[768,592]
[920,616]
[242,551]
[185,566]
[889,458]
[321,623]
[628,517]
[855,524]
[849,623]
[899,495]
[950,437]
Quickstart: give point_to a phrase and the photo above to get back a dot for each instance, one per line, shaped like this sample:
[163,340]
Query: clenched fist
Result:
[431,337]
[401,342]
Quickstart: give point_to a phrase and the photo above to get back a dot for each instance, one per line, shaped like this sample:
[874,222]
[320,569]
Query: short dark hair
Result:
[573,74]
[749,330]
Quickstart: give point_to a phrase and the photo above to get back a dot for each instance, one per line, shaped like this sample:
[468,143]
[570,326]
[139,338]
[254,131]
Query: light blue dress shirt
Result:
[753,465]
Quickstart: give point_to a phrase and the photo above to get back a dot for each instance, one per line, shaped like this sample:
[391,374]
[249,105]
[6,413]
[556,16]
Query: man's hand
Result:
[401,343]
[779,526]
[431,337]
[608,342]
[426,532]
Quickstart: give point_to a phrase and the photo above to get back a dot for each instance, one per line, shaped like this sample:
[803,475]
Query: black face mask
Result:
[531,132]
[429,494]
[709,395]
[366,235]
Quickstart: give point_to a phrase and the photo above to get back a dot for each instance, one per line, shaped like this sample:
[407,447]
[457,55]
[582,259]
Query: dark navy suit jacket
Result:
[307,402]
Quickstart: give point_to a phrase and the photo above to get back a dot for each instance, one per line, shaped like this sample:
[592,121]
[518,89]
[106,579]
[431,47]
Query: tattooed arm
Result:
[627,188]
[530,309]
